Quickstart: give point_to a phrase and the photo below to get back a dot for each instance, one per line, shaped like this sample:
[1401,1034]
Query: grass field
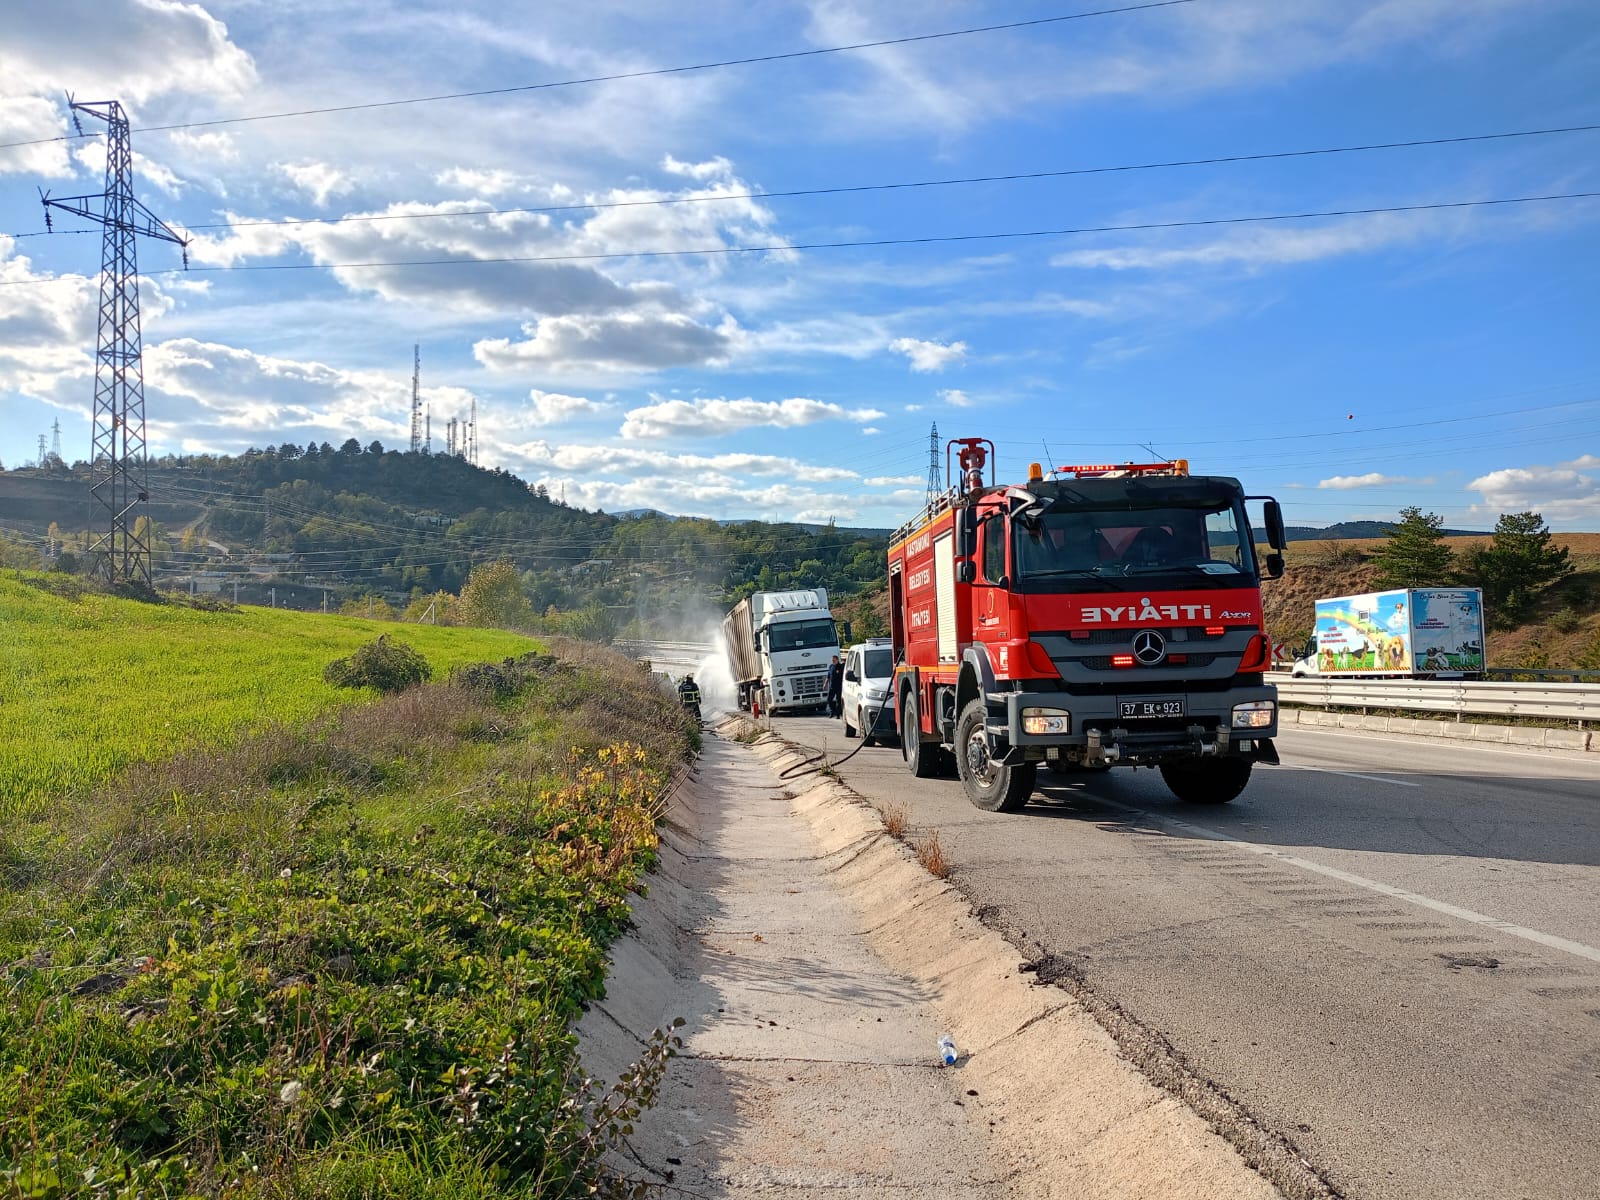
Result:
[325,948]
[91,684]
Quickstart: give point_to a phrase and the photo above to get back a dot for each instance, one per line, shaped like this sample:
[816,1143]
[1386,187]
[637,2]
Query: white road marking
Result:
[1372,885]
[1348,775]
[1545,754]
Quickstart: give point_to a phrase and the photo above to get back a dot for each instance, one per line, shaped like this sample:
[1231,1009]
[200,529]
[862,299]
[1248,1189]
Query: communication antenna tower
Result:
[117,460]
[416,399]
[472,434]
[450,437]
[427,436]
[935,475]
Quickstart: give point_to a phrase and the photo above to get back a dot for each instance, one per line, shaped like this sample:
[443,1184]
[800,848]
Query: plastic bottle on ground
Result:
[947,1049]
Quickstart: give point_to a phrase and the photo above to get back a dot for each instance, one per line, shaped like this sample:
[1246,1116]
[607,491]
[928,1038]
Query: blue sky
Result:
[1351,365]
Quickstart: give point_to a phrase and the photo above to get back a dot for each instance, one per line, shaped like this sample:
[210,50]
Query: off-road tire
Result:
[991,786]
[1207,780]
[921,758]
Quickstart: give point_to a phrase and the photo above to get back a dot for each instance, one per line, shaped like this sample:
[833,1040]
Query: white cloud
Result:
[632,463]
[956,398]
[621,316]
[319,180]
[929,356]
[892,480]
[716,168]
[869,430]
[481,181]
[133,50]
[552,408]
[716,418]
[948,89]
[777,502]
[624,341]
[47,329]
[1563,493]
[1370,479]
[215,144]
[913,408]
[225,398]
[28,119]
[1258,247]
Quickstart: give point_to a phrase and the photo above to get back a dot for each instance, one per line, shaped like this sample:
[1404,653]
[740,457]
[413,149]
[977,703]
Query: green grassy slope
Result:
[92,683]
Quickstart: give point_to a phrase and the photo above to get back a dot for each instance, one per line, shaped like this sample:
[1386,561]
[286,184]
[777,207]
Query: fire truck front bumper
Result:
[1135,729]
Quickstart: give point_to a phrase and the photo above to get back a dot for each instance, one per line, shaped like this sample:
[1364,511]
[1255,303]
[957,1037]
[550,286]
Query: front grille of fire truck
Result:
[1112,637]
[1088,658]
[1104,663]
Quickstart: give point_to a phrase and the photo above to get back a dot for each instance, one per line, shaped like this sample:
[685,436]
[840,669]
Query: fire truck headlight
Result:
[1046,720]
[1257,714]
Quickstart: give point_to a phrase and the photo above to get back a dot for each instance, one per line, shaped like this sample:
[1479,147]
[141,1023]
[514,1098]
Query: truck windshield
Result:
[1192,542]
[801,635]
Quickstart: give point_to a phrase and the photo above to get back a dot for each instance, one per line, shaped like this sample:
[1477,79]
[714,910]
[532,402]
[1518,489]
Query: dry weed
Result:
[895,819]
[931,855]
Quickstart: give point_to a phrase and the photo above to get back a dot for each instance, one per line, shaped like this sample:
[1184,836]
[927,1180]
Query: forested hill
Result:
[357,520]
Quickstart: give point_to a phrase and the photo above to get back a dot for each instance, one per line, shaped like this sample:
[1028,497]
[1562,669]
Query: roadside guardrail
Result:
[1555,701]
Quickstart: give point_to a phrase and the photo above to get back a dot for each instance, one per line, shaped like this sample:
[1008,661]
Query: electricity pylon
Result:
[117,460]
[416,399]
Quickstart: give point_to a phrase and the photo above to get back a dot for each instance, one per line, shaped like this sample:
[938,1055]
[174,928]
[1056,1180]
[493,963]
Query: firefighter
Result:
[689,696]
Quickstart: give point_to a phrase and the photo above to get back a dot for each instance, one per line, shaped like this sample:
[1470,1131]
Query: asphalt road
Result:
[1386,951]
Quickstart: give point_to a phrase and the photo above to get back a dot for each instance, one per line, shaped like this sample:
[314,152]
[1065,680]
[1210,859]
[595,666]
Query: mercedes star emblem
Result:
[1149,647]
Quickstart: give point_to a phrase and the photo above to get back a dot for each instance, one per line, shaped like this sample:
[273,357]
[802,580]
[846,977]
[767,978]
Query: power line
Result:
[620,76]
[1323,435]
[854,189]
[868,243]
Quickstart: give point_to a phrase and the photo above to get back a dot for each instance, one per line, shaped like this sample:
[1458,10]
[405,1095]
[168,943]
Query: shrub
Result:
[502,680]
[384,665]
[1339,554]
[931,855]
[1566,620]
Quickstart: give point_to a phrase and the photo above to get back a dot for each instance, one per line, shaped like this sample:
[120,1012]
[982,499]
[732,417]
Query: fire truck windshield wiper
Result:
[1174,568]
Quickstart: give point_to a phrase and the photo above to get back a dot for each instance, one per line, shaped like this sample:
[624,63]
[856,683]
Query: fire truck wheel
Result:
[1207,780]
[991,786]
[922,758]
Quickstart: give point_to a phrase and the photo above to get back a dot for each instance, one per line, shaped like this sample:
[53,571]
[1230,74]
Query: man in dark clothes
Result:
[835,687]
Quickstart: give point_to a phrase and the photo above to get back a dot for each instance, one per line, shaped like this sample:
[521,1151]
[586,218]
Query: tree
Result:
[493,596]
[1514,568]
[371,605]
[1415,554]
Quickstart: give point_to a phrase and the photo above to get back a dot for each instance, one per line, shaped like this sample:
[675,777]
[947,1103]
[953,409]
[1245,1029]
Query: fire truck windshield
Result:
[801,635]
[1192,541]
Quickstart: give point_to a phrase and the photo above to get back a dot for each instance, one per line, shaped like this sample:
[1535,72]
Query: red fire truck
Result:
[1097,616]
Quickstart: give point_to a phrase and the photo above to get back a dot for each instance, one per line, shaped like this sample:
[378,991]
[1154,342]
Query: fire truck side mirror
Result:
[1275,531]
[966,535]
[967,571]
[1274,566]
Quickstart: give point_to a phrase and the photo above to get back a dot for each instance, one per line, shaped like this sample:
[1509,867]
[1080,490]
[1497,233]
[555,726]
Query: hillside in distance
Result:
[1349,530]
[314,526]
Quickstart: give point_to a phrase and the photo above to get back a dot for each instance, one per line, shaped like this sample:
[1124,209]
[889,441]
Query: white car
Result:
[868,675]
